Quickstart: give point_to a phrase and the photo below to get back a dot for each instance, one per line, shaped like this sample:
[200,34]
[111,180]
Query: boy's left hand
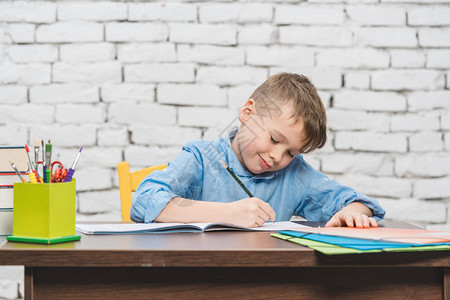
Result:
[355,214]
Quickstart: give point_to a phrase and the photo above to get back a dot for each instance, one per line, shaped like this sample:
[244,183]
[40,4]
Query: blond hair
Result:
[307,107]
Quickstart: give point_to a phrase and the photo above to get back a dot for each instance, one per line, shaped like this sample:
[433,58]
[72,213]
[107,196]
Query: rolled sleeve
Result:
[181,178]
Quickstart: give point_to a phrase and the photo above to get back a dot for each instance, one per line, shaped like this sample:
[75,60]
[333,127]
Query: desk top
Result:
[220,249]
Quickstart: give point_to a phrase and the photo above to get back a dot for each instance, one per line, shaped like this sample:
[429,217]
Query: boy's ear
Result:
[247,110]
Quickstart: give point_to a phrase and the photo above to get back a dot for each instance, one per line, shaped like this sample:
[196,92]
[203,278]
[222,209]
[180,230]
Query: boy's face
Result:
[267,140]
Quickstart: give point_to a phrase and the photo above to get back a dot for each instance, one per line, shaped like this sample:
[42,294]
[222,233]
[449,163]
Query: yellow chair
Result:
[128,183]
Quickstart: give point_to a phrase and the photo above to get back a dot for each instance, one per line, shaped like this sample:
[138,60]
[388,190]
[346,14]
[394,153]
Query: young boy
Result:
[283,118]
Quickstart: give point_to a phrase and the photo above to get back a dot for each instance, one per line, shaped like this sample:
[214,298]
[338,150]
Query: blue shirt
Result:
[196,173]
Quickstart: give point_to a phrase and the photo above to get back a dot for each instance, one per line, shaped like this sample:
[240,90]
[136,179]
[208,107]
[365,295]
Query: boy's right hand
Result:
[250,212]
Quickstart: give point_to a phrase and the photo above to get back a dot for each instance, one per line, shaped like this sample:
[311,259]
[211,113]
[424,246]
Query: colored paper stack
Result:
[345,240]
[8,177]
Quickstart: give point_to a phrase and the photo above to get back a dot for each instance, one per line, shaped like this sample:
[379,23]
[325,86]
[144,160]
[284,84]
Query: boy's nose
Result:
[275,156]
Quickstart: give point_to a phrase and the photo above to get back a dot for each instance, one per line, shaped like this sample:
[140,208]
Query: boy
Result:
[283,118]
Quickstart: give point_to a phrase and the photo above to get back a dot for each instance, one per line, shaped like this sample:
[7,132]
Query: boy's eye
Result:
[290,154]
[273,140]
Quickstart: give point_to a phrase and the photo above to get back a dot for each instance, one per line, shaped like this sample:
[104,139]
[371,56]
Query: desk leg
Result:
[447,283]
[29,282]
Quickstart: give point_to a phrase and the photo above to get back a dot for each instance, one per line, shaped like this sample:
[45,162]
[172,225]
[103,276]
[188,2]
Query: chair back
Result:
[128,183]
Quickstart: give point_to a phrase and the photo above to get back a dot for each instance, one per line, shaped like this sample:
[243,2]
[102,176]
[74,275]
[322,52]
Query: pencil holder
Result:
[44,213]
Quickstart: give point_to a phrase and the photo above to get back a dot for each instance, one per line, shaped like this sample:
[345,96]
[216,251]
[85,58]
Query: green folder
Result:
[44,212]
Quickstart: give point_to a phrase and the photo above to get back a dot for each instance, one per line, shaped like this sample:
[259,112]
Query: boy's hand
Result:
[250,212]
[355,214]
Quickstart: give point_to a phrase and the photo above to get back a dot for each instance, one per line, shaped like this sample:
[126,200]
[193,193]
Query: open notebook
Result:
[135,228]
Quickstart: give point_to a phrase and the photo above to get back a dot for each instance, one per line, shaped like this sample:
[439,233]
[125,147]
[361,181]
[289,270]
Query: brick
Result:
[141,114]
[80,114]
[163,135]
[34,73]
[407,59]
[376,15]
[214,55]
[220,34]
[205,116]
[9,289]
[66,135]
[309,14]
[434,37]
[159,73]
[12,272]
[21,33]
[221,131]
[257,34]
[87,52]
[429,16]
[92,11]
[141,156]
[422,165]
[315,36]
[439,59]
[143,52]
[113,136]
[177,12]
[426,141]
[447,141]
[387,37]
[279,56]
[369,141]
[436,188]
[64,93]
[338,120]
[322,78]
[369,185]
[357,80]
[32,53]
[13,94]
[353,58]
[136,32]
[414,210]
[31,12]
[99,202]
[128,92]
[415,122]
[236,13]
[191,94]
[12,134]
[445,120]
[102,72]
[98,156]
[93,179]
[67,32]
[370,101]
[407,80]
[113,216]
[428,100]
[238,95]
[358,163]
[231,75]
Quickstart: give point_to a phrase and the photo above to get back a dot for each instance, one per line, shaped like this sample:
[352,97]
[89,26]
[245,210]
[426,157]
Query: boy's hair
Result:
[300,93]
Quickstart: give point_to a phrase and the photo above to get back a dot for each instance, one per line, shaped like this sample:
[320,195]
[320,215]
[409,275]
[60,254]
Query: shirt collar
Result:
[235,165]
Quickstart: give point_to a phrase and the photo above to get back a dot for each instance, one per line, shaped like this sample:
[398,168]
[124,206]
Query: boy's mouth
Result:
[263,163]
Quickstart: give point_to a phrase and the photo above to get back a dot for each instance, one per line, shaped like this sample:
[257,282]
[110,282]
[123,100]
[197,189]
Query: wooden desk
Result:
[221,265]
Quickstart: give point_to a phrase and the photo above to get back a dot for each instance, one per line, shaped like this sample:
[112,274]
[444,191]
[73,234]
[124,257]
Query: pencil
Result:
[236,178]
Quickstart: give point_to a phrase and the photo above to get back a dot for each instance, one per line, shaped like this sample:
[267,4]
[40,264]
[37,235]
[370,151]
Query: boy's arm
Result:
[356,214]
[248,212]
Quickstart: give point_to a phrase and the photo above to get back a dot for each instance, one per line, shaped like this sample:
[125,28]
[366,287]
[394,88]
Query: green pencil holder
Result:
[44,212]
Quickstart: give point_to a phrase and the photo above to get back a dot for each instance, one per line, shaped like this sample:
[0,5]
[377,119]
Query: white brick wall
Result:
[135,80]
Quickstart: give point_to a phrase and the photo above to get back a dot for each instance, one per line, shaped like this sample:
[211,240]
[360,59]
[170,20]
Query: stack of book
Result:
[8,177]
